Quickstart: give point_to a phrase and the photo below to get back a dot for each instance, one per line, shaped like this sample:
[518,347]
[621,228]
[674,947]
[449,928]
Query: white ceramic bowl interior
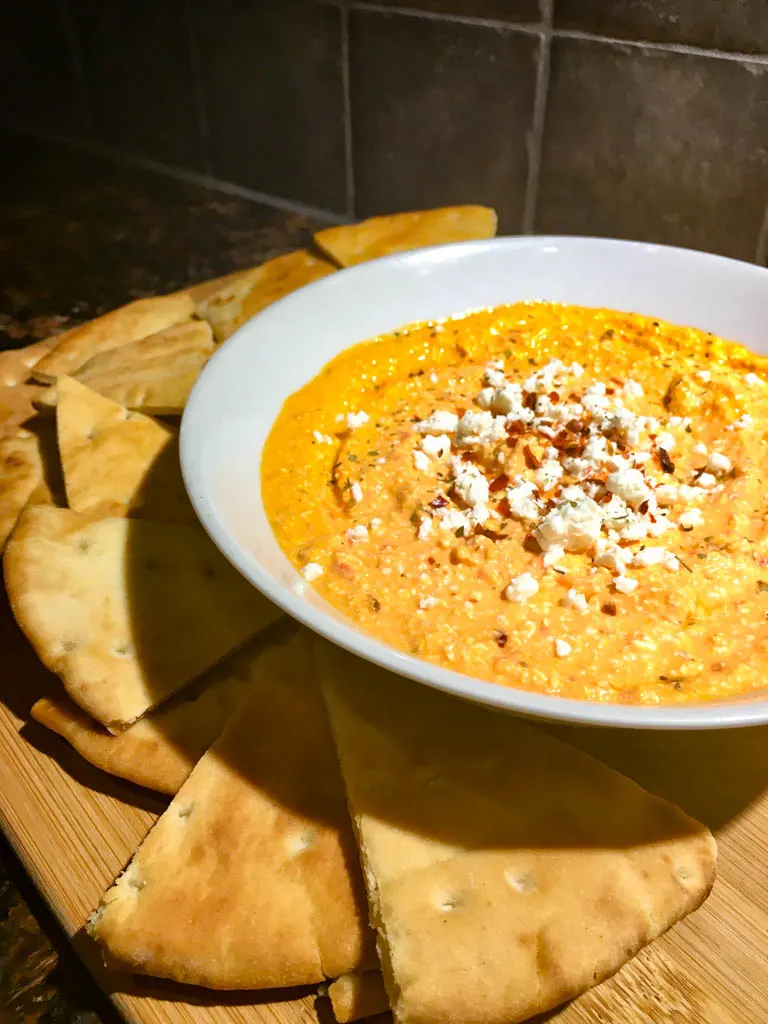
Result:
[241,391]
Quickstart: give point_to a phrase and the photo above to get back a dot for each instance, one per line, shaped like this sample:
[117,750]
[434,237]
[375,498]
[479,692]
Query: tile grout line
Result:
[761,255]
[178,173]
[349,161]
[78,68]
[198,94]
[658,47]
[526,27]
[536,135]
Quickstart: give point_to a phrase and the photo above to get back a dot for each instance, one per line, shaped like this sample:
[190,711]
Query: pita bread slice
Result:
[116,461]
[239,300]
[399,232]
[506,871]
[126,611]
[250,878]
[128,323]
[21,471]
[16,363]
[153,375]
[357,995]
[161,749]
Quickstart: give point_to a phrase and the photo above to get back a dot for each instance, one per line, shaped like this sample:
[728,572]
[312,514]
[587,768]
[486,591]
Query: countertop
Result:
[80,235]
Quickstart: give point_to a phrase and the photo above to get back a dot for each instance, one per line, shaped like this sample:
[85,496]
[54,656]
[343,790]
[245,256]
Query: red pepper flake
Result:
[665,462]
[504,509]
[615,380]
[610,391]
[494,535]
[467,457]
[643,508]
[460,410]
[609,608]
[500,638]
[516,427]
[439,502]
[574,426]
[531,461]
[431,561]
[554,397]
[499,483]
[529,402]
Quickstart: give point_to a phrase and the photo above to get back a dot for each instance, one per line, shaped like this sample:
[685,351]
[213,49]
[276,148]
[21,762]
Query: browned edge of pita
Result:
[250,879]
[350,244]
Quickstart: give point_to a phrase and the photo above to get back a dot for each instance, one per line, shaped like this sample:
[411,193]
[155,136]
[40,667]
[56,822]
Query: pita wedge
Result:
[250,879]
[16,363]
[129,323]
[357,995]
[161,749]
[21,471]
[126,611]
[239,300]
[506,871]
[399,232]
[116,461]
[152,375]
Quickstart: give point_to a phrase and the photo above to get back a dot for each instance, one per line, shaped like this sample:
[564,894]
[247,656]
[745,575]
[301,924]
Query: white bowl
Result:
[242,389]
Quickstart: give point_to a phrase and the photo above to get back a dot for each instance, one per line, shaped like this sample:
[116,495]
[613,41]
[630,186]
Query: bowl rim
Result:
[748,710]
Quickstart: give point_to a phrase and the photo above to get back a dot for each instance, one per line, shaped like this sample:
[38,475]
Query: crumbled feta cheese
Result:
[706,480]
[625,584]
[630,485]
[718,463]
[493,376]
[667,494]
[640,458]
[479,428]
[440,422]
[312,571]
[427,602]
[655,556]
[521,588]
[484,398]
[613,557]
[752,380]
[420,461]
[425,528]
[577,468]
[633,531]
[357,493]
[375,523]
[661,526]
[548,473]
[632,389]
[744,422]
[358,533]
[433,378]
[544,379]
[562,648]
[666,441]
[320,438]
[700,449]
[522,503]
[689,494]
[679,422]
[553,555]
[691,518]
[575,600]
[453,519]
[574,523]
[356,419]
[479,514]
[436,445]
[470,484]
[704,375]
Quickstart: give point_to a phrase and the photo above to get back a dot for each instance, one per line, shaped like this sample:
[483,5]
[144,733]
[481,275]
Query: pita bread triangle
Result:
[399,232]
[116,461]
[250,878]
[506,871]
[126,611]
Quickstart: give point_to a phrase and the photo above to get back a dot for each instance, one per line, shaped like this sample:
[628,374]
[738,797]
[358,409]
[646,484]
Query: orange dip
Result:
[565,500]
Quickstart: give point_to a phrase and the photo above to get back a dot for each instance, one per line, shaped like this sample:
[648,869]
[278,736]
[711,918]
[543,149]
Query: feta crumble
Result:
[420,461]
[521,588]
[625,584]
[357,493]
[562,648]
[575,600]
[356,419]
[356,533]
[312,571]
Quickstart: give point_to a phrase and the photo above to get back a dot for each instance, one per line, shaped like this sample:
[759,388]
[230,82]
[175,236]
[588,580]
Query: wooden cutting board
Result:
[75,829]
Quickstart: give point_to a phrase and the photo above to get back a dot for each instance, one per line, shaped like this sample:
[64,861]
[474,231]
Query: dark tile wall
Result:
[636,118]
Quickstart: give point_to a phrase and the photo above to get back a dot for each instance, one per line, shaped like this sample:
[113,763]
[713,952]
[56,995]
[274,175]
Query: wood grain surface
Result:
[75,829]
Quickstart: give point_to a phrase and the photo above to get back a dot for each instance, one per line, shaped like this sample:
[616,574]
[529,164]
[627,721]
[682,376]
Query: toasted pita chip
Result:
[16,363]
[201,291]
[161,749]
[124,610]
[239,300]
[153,375]
[18,404]
[115,461]
[21,470]
[357,995]
[250,878]
[398,232]
[129,323]
[507,872]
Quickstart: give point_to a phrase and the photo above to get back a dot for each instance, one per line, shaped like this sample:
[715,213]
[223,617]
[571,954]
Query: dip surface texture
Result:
[565,500]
